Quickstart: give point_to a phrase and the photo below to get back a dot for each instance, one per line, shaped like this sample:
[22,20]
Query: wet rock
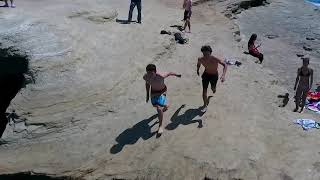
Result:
[300,55]
[228,15]
[307,48]
[310,38]
[271,36]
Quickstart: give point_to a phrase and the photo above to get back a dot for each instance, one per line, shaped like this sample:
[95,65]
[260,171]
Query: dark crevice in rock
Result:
[33,176]
[13,67]
[237,8]
[196,3]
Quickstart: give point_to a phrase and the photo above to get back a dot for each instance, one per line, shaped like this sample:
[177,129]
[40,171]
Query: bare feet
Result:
[160,130]
[204,109]
[301,111]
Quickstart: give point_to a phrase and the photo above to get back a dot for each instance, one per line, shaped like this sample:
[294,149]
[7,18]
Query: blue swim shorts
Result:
[159,100]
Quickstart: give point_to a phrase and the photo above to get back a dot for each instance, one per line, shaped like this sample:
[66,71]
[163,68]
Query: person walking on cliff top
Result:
[133,4]
[187,5]
[155,80]
[7,5]
[304,81]
[253,50]
[210,74]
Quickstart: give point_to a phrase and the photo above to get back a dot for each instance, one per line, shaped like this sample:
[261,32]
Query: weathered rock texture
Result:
[85,115]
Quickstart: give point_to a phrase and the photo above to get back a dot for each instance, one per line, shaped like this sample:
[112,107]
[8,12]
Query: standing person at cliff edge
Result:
[304,81]
[133,4]
[187,5]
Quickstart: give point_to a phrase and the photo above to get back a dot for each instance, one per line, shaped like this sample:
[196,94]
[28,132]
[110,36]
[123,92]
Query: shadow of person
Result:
[285,99]
[179,27]
[123,21]
[186,118]
[131,135]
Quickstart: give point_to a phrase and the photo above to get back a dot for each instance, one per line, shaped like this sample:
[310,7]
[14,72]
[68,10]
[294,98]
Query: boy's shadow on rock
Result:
[130,136]
[186,118]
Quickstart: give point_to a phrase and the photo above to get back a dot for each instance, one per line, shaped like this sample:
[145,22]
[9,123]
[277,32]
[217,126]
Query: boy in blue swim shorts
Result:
[155,82]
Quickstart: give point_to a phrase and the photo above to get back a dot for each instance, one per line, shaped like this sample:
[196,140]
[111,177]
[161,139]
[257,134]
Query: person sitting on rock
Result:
[7,5]
[304,81]
[253,50]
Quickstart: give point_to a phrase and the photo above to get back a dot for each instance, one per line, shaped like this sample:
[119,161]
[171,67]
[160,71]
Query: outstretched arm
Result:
[172,74]
[147,91]
[223,77]
[198,66]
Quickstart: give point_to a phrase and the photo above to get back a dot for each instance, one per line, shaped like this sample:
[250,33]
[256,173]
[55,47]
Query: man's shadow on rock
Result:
[186,118]
[179,27]
[124,21]
[131,135]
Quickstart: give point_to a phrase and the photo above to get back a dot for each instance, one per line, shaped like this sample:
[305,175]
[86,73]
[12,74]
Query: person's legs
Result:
[303,99]
[257,55]
[12,5]
[205,84]
[298,98]
[132,5]
[188,20]
[213,82]
[260,57]
[160,116]
[139,11]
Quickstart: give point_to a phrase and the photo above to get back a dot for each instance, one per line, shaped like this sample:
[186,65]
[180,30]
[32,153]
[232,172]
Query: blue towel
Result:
[307,123]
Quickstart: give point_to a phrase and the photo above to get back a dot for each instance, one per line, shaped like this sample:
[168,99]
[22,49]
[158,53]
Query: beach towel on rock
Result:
[314,95]
[315,107]
[307,124]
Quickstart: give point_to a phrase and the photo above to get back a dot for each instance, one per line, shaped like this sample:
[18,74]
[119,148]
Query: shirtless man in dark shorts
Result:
[304,81]
[210,74]
[155,80]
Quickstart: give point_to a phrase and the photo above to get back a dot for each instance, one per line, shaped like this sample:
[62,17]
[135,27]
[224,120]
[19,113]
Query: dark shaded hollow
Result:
[13,66]
[31,176]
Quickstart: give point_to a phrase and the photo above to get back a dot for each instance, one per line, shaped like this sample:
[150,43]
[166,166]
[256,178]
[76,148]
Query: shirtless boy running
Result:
[155,80]
[210,74]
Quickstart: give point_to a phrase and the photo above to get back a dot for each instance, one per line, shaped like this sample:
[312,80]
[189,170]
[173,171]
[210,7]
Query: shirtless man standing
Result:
[155,80]
[210,74]
[304,81]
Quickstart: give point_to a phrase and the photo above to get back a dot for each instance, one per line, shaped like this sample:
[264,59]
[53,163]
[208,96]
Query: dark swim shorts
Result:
[209,78]
[187,15]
